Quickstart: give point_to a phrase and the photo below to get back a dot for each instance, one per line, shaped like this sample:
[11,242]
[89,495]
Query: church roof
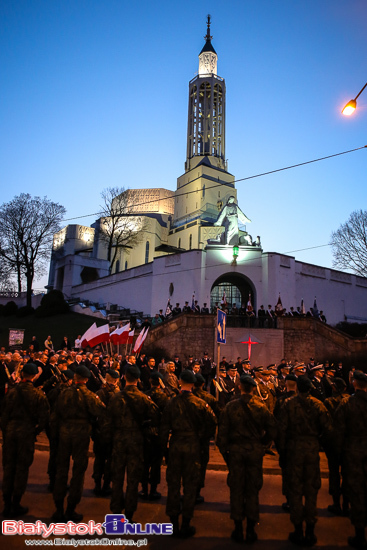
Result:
[208,47]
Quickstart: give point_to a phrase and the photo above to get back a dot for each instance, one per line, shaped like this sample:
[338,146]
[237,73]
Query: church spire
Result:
[208,46]
[206,120]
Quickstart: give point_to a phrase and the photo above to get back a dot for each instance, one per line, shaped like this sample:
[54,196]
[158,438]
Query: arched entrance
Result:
[237,288]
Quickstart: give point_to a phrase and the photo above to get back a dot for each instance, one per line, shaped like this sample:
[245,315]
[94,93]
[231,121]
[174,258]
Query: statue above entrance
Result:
[228,218]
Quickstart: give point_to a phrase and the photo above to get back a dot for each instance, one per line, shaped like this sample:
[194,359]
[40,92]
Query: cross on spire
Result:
[208,37]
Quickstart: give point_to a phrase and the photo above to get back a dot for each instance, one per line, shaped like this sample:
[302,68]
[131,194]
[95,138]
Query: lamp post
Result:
[352,104]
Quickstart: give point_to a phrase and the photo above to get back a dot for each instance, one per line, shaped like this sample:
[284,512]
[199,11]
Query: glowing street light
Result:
[352,104]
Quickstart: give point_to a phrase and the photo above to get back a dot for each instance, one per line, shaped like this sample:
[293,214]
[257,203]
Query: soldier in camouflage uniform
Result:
[199,392]
[246,425]
[25,414]
[128,411]
[103,449]
[53,432]
[336,465]
[351,443]
[189,419]
[75,411]
[290,389]
[303,421]
[152,449]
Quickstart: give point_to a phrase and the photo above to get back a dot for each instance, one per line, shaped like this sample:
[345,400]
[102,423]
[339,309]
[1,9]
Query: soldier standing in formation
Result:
[351,444]
[199,392]
[303,421]
[75,410]
[127,413]
[246,426]
[152,450]
[25,414]
[101,447]
[188,419]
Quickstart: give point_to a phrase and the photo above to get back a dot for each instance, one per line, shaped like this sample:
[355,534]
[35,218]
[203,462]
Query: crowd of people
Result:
[138,411]
[265,318]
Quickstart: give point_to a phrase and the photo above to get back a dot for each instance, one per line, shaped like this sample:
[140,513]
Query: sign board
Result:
[16,337]
[221,327]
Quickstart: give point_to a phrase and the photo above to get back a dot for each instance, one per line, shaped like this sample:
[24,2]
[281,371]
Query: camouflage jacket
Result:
[208,398]
[77,408]
[243,420]
[350,423]
[25,408]
[128,421]
[188,418]
[303,416]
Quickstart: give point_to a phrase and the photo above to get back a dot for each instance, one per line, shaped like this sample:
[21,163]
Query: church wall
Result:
[184,271]
[129,289]
[337,293]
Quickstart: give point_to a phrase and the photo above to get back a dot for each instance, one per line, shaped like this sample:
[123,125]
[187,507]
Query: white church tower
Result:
[206,184]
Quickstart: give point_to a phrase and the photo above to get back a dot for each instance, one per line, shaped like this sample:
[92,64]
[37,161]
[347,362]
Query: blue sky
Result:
[94,94]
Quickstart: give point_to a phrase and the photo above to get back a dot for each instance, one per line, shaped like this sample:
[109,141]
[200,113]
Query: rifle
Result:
[60,374]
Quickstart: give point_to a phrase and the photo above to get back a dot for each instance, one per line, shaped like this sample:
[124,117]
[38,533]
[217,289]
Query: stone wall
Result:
[294,339]
[307,337]
[185,335]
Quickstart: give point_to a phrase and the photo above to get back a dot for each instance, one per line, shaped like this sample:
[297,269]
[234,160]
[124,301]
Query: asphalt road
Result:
[211,519]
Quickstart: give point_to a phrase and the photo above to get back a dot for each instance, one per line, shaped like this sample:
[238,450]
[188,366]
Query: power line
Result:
[235,181]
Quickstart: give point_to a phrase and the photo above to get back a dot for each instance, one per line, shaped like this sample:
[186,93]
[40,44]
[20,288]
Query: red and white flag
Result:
[140,340]
[86,335]
[99,335]
[120,335]
[131,336]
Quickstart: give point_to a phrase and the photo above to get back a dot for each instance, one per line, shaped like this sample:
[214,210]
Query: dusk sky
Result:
[94,94]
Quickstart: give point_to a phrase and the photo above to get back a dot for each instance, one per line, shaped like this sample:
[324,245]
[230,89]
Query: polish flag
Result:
[131,336]
[99,335]
[86,335]
[140,340]
[120,335]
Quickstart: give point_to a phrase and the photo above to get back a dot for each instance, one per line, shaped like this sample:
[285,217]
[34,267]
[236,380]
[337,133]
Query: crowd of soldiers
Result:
[133,408]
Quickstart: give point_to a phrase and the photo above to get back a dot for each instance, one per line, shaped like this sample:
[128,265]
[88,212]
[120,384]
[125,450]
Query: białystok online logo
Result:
[114,524]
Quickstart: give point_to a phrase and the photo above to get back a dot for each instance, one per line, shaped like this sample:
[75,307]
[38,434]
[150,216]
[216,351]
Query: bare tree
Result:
[27,225]
[349,244]
[120,227]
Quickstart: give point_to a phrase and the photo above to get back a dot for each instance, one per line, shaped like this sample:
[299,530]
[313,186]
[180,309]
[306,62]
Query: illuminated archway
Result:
[237,288]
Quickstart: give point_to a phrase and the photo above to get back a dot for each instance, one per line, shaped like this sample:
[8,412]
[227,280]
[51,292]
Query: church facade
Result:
[193,242]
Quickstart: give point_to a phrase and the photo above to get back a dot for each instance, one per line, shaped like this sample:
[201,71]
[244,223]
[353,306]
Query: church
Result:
[193,243]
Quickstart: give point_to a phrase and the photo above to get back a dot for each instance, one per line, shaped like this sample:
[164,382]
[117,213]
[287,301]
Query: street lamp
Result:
[352,104]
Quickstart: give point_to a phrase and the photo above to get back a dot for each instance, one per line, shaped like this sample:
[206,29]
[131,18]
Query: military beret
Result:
[188,376]
[199,378]
[133,371]
[291,377]
[339,384]
[304,384]
[83,371]
[360,376]
[113,373]
[155,375]
[30,368]
[247,380]
[68,373]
